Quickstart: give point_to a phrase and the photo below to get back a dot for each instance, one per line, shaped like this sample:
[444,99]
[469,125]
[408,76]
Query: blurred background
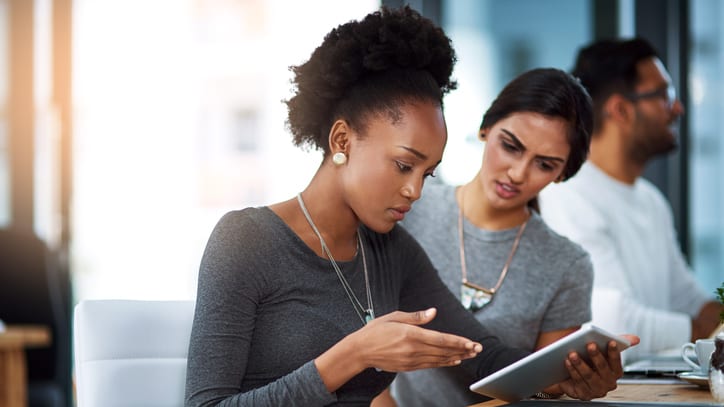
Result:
[127,128]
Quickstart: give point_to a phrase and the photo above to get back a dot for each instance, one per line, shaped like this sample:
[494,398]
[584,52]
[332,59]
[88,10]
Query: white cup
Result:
[702,350]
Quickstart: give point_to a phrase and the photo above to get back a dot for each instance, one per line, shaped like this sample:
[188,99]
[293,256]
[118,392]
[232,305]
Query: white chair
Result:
[131,353]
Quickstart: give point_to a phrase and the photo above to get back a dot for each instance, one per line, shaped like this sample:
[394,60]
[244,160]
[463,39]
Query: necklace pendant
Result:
[473,299]
[369,315]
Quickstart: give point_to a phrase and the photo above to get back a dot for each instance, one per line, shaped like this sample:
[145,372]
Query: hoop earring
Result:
[339,158]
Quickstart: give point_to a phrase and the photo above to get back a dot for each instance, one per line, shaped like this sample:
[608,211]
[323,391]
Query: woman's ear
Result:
[481,134]
[339,135]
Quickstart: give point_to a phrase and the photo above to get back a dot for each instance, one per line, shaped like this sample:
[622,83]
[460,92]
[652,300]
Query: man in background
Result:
[642,283]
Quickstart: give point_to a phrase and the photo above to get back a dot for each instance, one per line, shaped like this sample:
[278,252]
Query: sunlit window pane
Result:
[178,119]
[707,152]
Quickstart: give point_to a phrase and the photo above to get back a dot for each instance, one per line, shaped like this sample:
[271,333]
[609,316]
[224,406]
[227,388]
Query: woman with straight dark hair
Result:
[490,246]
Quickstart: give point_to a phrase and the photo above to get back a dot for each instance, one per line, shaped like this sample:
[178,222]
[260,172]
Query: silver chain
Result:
[368,314]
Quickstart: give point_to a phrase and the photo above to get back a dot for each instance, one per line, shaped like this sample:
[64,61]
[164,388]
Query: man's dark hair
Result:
[610,66]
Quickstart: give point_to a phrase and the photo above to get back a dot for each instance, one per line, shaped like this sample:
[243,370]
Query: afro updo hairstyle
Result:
[363,68]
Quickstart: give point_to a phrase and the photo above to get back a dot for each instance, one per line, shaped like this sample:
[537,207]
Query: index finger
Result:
[449,341]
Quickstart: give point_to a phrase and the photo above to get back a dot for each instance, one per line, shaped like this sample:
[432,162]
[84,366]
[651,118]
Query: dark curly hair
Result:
[374,66]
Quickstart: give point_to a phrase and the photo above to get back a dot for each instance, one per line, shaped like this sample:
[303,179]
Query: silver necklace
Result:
[365,314]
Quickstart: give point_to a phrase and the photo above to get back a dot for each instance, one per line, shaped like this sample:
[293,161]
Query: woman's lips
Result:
[399,213]
[506,191]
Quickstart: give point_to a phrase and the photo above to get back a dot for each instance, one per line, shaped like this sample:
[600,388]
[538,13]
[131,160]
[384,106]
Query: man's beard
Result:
[651,143]
[643,152]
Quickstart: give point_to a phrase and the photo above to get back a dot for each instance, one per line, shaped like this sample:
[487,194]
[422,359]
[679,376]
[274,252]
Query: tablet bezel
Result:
[545,367]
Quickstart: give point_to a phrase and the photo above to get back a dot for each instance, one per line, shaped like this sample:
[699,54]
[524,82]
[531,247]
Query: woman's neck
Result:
[333,218]
[478,210]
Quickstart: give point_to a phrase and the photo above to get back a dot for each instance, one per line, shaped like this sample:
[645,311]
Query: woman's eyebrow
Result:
[419,155]
[415,152]
[515,140]
[520,146]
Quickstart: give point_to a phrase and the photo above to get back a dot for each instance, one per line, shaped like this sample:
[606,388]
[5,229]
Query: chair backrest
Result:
[131,353]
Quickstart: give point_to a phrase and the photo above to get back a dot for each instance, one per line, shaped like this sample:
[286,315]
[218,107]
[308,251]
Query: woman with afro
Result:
[320,299]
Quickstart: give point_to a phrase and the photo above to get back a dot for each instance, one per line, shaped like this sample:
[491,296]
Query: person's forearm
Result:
[340,363]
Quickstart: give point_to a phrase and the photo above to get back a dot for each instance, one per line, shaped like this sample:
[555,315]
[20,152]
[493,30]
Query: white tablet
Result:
[545,367]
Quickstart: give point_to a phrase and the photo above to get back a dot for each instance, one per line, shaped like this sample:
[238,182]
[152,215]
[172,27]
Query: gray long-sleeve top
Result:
[267,306]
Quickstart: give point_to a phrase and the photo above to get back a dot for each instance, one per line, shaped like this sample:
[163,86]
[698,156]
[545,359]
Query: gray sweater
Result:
[267,305]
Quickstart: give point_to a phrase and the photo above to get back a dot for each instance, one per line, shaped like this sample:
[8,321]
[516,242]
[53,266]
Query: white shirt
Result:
[642,284]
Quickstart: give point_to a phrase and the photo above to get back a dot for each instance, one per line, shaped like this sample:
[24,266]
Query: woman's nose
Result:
[517,172]
[412,190]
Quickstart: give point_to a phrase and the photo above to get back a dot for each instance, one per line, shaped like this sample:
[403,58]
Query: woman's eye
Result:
[509,147]
[403,167]
[545,166]
[430,174]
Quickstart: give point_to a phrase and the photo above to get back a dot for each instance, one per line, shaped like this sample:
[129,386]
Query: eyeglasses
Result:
[667,94]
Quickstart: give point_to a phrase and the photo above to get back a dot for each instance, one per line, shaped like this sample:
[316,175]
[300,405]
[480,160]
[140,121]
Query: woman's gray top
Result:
[267,306]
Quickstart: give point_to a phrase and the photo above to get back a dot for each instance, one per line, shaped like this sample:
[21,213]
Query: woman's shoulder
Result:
[241,219]
[555,255]
[249,226]
[551,242]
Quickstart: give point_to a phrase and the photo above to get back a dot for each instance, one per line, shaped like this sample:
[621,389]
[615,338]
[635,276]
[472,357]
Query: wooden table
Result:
[671,394]
[13,367]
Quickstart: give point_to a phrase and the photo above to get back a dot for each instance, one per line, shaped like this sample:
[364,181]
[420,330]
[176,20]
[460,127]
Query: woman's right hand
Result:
[394,343]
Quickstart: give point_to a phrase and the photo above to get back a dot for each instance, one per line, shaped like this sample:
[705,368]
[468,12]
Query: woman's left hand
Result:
[592,381]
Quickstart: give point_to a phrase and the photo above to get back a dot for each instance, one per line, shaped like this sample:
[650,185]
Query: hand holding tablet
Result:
[545,367]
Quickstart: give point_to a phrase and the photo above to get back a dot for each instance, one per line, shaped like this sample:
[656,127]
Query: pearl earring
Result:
[339,158]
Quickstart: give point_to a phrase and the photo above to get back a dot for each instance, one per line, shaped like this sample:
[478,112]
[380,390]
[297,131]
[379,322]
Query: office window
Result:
[178,119]
[706,140]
